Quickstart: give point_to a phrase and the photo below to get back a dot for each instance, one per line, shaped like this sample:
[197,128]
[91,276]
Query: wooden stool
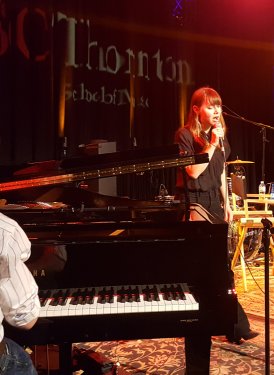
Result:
[244,225]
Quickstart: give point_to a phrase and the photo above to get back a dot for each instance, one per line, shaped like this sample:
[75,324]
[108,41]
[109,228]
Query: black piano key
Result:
[127,295]
[75,296]
[135,294]
[82,299]
[146,294]
[180,292]
[62,300]
[130,295]
[56,296]
[101,296]
[167,294]
[44,296]
[173,293]
[109,296]
[154,294]
[120,295]
[150,294]
[164,292]
[90,294]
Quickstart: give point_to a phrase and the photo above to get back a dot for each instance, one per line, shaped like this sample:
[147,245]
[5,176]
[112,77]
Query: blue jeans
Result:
[16,361]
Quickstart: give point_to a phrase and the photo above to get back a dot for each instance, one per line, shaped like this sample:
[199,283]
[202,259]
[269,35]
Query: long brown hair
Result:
[200,96]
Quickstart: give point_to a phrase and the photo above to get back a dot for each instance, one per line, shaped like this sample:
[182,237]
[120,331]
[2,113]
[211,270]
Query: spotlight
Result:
[178,9]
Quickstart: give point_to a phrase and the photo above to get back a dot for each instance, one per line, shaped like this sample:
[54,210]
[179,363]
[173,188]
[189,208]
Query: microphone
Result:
[221,142]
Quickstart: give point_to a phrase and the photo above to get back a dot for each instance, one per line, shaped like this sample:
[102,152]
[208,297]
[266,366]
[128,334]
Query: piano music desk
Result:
[246,223]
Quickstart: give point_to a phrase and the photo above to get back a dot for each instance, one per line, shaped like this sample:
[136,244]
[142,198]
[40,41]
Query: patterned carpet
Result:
[166,356]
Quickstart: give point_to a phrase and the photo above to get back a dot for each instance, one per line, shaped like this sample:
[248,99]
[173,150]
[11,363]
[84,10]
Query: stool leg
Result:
[240,252]
[272,251]
[243,268]
[237,253]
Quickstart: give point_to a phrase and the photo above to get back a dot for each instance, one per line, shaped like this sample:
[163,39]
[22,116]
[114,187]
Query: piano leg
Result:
[65,359]
[197,354]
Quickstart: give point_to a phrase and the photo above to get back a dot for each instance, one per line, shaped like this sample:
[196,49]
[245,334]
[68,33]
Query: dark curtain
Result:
[78,71]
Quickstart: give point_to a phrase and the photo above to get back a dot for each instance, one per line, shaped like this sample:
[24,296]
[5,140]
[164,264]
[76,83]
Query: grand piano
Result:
[111,268]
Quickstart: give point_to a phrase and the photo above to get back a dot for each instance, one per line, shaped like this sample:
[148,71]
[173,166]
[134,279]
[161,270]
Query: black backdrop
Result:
[124,71]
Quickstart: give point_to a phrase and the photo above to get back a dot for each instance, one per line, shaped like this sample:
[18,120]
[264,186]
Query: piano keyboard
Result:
[117,300]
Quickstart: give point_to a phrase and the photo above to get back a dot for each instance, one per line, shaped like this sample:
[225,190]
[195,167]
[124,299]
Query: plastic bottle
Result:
[262,189]
[271,190]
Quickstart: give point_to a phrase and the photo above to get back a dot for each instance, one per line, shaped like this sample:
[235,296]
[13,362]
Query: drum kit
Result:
[253,239]
[238,166]
[238,171]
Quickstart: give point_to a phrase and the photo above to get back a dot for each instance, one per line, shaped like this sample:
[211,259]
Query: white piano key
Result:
[72,310]
[93,306]
[141,306]
[134,307]
[44,309]
[65,307]
[84,307]
[106,308]
[193,302]
[161,303]
[114,305]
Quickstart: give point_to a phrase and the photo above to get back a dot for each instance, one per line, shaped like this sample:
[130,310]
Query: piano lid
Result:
[99,166]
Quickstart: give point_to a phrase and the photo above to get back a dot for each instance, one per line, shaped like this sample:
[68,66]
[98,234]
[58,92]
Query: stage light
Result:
[178,9]
[182,10]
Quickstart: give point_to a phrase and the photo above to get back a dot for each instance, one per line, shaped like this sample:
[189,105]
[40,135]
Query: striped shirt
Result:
[19,302]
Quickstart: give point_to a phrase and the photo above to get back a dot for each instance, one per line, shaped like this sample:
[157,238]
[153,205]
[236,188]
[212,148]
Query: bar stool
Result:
[247,219]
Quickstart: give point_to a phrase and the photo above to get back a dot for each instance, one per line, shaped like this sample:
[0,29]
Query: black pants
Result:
[242,327]
[197,348]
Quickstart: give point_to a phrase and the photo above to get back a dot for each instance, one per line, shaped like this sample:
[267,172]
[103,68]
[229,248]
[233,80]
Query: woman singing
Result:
[205,184]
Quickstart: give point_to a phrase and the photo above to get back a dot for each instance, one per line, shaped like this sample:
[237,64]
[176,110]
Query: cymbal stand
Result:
[263,131]
[263,127]
[266,243]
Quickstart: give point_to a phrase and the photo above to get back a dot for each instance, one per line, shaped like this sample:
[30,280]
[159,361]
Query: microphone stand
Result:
[263,131]
[266,243]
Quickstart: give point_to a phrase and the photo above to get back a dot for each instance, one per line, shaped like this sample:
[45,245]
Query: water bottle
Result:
[262,189]
[271,190]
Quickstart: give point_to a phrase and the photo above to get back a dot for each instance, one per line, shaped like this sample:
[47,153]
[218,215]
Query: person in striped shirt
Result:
[19,301]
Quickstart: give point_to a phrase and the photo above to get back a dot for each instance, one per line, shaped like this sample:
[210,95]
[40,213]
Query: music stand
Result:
[266,243]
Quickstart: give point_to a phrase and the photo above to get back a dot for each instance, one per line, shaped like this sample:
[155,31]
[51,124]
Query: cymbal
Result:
[239,161]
